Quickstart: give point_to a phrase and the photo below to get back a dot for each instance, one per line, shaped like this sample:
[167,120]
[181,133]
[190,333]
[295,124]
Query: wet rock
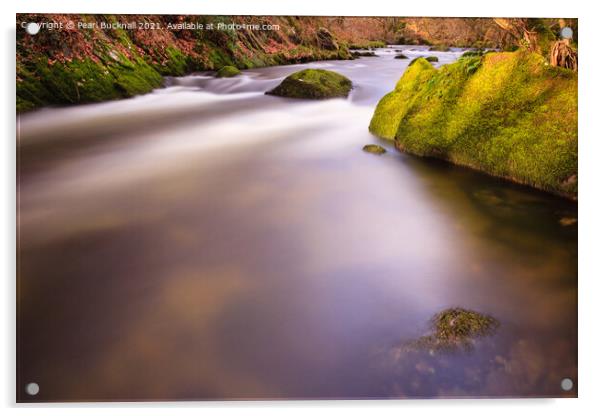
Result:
[368,54]
[439,48]
[401,56]
[432,59]
[313,84]
[374,148]
[455,329]
[227,72]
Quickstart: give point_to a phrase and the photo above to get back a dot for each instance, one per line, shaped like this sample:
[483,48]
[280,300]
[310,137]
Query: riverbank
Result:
[510,115]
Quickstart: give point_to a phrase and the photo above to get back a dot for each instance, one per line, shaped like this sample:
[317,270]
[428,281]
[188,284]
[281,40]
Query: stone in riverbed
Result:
[313,84]
[439,48]
[374,148]
[455,329]
[227,72]
[401,56]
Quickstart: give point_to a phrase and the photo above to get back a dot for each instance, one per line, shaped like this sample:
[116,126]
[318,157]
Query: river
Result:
[206,241]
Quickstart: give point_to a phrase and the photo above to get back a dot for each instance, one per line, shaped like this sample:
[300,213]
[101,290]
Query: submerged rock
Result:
[401,56]
[439,48]
[227,72]
[374,148]
[567,221]
[313,84]
[455,328]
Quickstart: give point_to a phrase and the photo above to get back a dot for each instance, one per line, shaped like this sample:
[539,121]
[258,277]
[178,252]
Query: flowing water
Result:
[207,241]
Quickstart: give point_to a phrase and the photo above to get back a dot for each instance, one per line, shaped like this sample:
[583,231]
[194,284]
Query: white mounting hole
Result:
[566,384]
[32,389]
[32,28]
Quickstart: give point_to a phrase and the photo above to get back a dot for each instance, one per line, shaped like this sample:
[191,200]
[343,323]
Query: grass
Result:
[506,114]
[313,84]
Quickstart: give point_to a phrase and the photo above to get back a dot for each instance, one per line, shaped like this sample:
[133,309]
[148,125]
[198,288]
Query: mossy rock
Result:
[508,114]
[313,84]
[227,71]
[455,329]
[432,59]
[401,56]
[366,54]
[374,148]
[439,48]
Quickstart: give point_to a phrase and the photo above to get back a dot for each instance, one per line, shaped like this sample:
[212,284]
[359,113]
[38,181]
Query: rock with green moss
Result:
[313,84]
[374,148]
[455,329]
[367,54]
[432,59]
[401,56]
[439,48]
[508,114]
[227,71]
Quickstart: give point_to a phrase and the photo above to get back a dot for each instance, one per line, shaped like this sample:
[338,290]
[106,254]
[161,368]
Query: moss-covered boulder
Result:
[432,59]
[508,114]
[227,71]
[313,84]
[455,328]
[374,148]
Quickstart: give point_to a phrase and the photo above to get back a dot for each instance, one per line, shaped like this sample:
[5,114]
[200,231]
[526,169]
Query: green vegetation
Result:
[456,328]
[374,148]
[83,80]
[314,84]
[507,114]
[370,44]
[227,72]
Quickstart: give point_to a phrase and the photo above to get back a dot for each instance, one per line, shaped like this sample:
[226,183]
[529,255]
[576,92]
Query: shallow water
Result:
[208,241]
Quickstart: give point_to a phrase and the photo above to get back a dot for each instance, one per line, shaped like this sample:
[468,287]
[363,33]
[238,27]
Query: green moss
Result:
[374,148]
[369,44]
[507,114]
[456,328]
[394,106]
[83,81]
[432,59]
[314,84]
[227,72]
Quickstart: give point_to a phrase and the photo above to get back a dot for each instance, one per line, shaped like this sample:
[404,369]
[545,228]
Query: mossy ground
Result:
[313,84]
[227,71]
[507,114]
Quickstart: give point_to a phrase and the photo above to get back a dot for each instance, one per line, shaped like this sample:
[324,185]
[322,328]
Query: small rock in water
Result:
[566,221]
[374,148]
[455,329]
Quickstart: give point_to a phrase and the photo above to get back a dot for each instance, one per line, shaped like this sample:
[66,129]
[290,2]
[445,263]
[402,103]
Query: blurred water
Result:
[208,241]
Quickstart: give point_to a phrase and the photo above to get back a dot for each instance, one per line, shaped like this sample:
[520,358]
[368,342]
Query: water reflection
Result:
[207,241]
